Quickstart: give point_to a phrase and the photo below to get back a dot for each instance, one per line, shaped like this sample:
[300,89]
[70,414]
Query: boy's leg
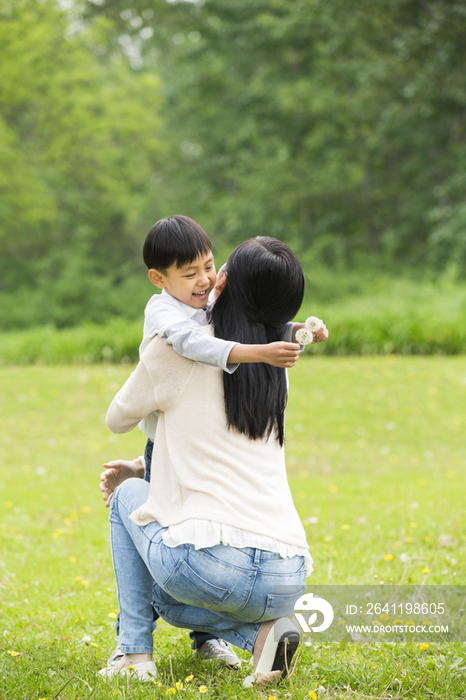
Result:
[198,638]
[148,458]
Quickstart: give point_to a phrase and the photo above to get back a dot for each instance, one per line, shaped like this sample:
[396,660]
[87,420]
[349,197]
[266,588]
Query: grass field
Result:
[375,453]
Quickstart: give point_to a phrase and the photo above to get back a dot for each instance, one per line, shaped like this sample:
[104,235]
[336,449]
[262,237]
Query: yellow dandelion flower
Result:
[426,571]
[409,623]
[13,653]
[424,646]
[73,514]
[328,538]
[327,546]
[57,534]
[170,691]
[408,539]
[312,695]
[340,622]
[67,521]
[413,525]
[346,527]
[335,552]
[203,689]
[333,488]
[72,559]
[112,615]
[179,685]
[388,557]
[93,644]
[86,509]
[384,617]
[8,504]
[82,617]
[130,668]
[189,678]
[450,474]
[77,578]
[84,582]
[398,622]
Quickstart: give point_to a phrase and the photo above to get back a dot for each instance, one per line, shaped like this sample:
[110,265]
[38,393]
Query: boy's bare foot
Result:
[115,473]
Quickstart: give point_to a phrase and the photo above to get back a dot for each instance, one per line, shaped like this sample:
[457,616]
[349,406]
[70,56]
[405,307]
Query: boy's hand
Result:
[117,472]
[280,353]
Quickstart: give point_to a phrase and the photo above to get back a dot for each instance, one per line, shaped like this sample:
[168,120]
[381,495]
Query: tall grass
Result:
[365,315]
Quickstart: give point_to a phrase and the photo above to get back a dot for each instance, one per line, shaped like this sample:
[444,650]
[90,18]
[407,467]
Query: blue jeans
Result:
[221,590]
[198,638]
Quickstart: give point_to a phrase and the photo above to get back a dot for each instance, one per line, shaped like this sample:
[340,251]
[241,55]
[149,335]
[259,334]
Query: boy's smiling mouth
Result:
[201,295]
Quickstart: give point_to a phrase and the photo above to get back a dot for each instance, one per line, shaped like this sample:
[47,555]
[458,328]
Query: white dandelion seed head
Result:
[313,324]
[304,336]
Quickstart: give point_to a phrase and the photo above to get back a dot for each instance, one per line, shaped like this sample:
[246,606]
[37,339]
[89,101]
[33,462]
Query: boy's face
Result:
[190,284]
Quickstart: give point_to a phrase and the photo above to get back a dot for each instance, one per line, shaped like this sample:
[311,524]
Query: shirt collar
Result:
[190,311]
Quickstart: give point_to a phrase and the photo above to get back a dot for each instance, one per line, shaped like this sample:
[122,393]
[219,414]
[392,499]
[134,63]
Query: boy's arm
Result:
[190,341]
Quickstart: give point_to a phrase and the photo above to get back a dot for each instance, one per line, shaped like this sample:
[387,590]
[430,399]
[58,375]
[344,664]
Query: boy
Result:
[178,255]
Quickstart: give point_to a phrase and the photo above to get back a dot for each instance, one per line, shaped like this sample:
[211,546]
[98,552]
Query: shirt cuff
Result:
[224,364]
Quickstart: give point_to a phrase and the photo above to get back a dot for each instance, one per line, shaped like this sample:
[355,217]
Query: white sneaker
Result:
[147,671]
[219,650]
[116,654]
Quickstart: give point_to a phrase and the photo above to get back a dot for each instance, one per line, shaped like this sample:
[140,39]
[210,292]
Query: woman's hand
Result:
[319,336]
[117,472]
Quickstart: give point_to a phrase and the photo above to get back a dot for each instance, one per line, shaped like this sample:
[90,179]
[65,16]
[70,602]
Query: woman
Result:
[216,530]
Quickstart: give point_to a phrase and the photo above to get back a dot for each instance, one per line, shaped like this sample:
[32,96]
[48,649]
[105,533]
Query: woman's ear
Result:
[221,281]
[157,278]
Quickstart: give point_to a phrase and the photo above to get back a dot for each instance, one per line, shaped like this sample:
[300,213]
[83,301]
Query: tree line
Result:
[336,126]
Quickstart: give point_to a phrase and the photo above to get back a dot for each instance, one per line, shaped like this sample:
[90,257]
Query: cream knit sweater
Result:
[200,468]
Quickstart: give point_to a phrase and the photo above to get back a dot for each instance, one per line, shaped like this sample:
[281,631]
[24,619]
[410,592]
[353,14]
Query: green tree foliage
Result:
[79,148]
[338,126]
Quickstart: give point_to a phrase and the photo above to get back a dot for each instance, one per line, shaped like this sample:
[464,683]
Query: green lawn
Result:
[376,454]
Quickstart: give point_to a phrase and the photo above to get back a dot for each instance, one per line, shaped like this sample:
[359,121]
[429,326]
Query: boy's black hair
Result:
[177,240]
[263,291]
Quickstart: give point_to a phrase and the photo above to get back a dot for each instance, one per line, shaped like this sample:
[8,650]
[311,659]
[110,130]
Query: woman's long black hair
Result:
[264,290]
